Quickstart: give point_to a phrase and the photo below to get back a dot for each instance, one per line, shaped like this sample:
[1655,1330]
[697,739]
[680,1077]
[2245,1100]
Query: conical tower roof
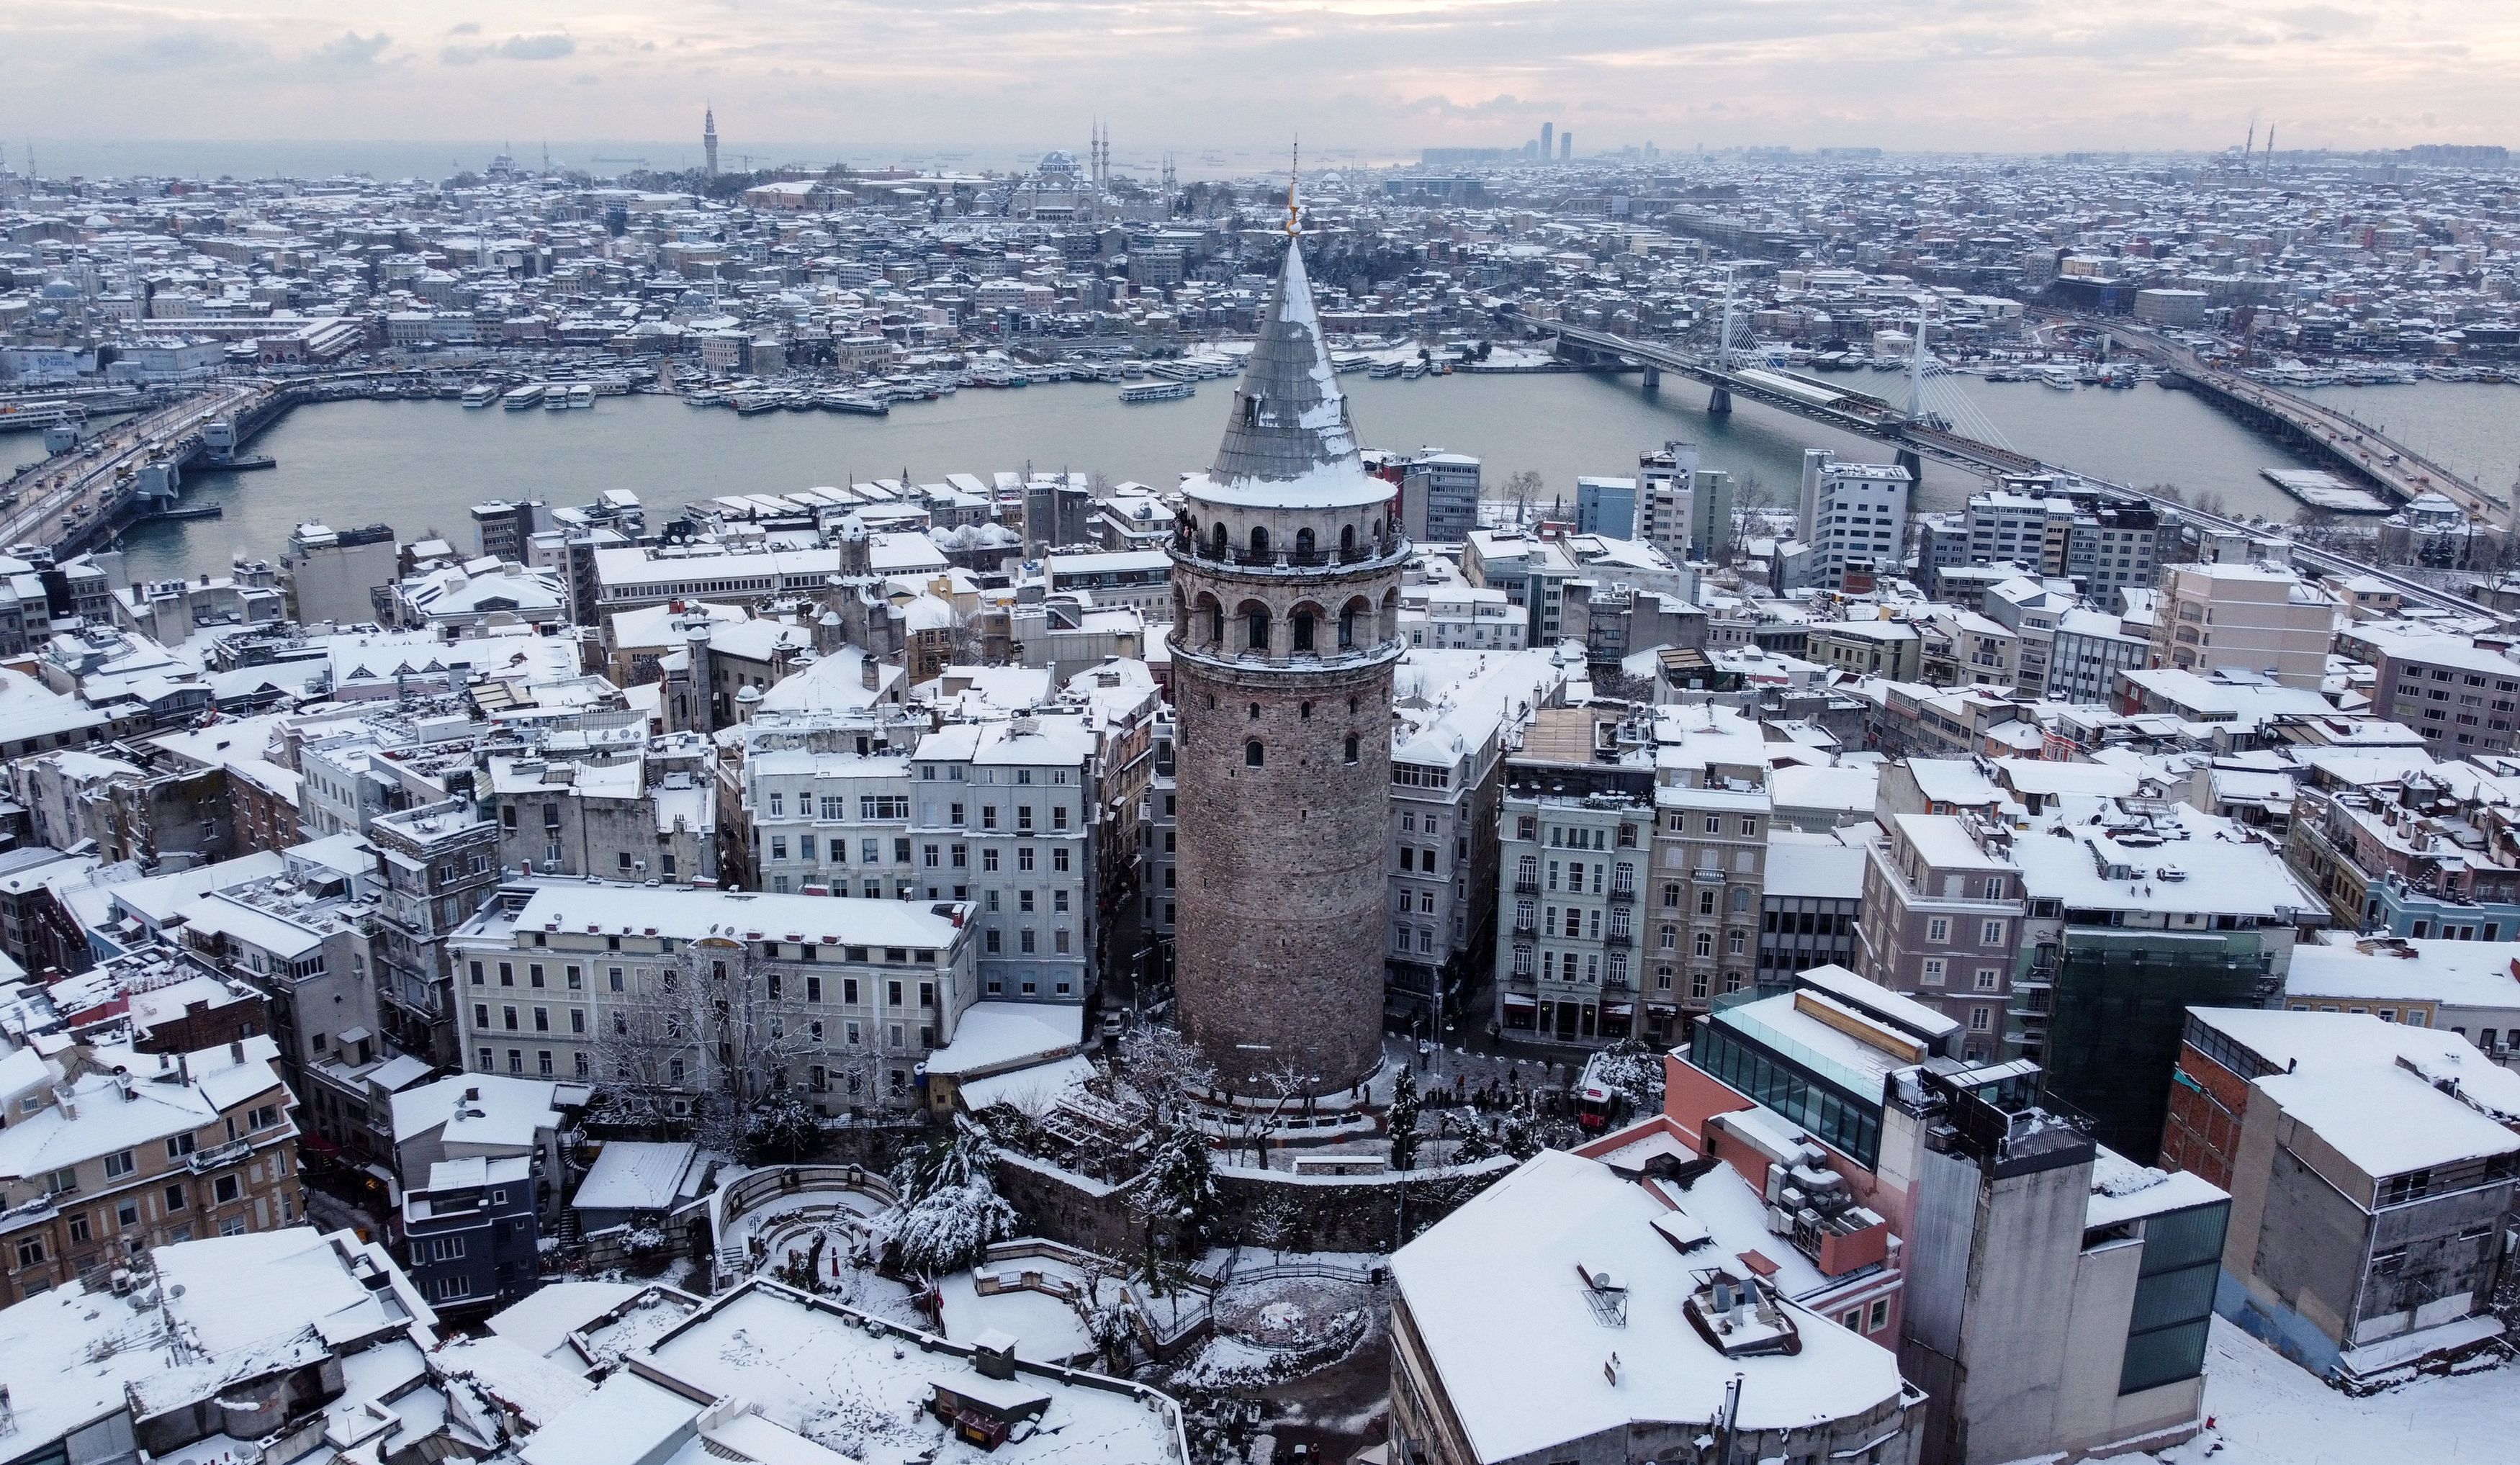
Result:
[1290,418]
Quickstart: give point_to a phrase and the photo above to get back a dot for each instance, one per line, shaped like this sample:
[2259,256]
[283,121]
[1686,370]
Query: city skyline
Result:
[1374,80]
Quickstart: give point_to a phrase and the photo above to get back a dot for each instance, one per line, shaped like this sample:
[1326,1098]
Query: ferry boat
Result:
[525,397]
[480,396]
[856,403]
[1158,391]
[557,399]
[581,396]
[1386,370]
[1412,370]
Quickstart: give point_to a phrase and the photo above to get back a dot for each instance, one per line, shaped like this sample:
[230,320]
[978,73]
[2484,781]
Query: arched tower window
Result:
[1303,544]
[1351,748]
[1256,636]
[1259,542]
[1347,540]
[1217,541]
[1302,626]
[1251,757]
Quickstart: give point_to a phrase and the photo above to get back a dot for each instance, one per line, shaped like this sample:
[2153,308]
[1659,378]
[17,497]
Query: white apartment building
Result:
[1854,517]
[1448,748]
[1002,814]
[671,998]
[1460,618]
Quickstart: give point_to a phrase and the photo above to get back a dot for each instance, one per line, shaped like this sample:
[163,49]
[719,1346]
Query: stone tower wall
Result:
[1284,900]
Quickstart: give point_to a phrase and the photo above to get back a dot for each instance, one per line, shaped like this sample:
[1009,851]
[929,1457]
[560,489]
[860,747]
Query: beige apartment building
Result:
[104,1151]
[2246,617]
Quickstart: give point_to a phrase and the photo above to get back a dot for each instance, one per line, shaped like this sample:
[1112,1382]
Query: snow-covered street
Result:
[2266,1411]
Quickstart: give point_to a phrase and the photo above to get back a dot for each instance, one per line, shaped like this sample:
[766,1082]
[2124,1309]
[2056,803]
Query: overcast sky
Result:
[819,78]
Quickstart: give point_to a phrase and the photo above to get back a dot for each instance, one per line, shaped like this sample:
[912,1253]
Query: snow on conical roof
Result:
[1290,418]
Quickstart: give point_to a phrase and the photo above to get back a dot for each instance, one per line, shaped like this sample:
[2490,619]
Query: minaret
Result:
[1286,626]
[708,143]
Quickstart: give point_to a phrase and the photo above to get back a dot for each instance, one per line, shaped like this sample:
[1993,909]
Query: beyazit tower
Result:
[1286,625]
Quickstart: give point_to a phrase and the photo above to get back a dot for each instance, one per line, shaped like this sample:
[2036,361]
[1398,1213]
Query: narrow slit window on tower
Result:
[1351,747]
[1251,753]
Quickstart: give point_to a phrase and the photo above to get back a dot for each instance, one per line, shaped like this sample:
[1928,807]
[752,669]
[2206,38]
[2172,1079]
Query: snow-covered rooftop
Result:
[1523,1353]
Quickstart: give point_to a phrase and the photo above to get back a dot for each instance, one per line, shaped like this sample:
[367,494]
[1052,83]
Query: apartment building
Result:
[438,863]
[2138,909]
[2249,617]
[1571,866]
[2461,693]
[2372,1169]
[1002,814]
[107,1151]
[1682,509]
[2029,610]
[1713,815]
[1941,921]
[678,1002]
[1812,900]
[1854,518]
[2088,650]
[1448,485]
[581,806]
[2421,856]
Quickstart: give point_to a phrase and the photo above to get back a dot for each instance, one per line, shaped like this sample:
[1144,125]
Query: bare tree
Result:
[1522,488]
[705,1038]
[1166,1070]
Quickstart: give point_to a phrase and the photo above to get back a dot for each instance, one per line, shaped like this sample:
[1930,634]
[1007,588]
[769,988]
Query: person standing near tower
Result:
[1286,627]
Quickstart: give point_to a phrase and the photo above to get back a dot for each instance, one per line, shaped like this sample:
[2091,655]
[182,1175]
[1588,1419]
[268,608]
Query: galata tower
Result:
[1286,625]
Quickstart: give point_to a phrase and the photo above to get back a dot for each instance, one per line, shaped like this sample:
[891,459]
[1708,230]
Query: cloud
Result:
[183,51]
[551,47]
[536,47]
[464,27]
[353,50]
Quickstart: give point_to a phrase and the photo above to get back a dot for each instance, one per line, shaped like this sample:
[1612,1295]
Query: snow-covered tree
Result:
[966,1155]
[1177,1195]
[780,1130]
[1403,1120]
[945,1230]
[1632,1070]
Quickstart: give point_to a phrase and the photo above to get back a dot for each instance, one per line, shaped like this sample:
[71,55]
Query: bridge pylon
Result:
[1914,463]
[1718,402]
[1653,377]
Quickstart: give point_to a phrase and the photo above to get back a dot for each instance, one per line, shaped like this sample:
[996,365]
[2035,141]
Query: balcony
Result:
[202,1162]
[1619,939]
[1526,885]
[1524,926]
[1623,894]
